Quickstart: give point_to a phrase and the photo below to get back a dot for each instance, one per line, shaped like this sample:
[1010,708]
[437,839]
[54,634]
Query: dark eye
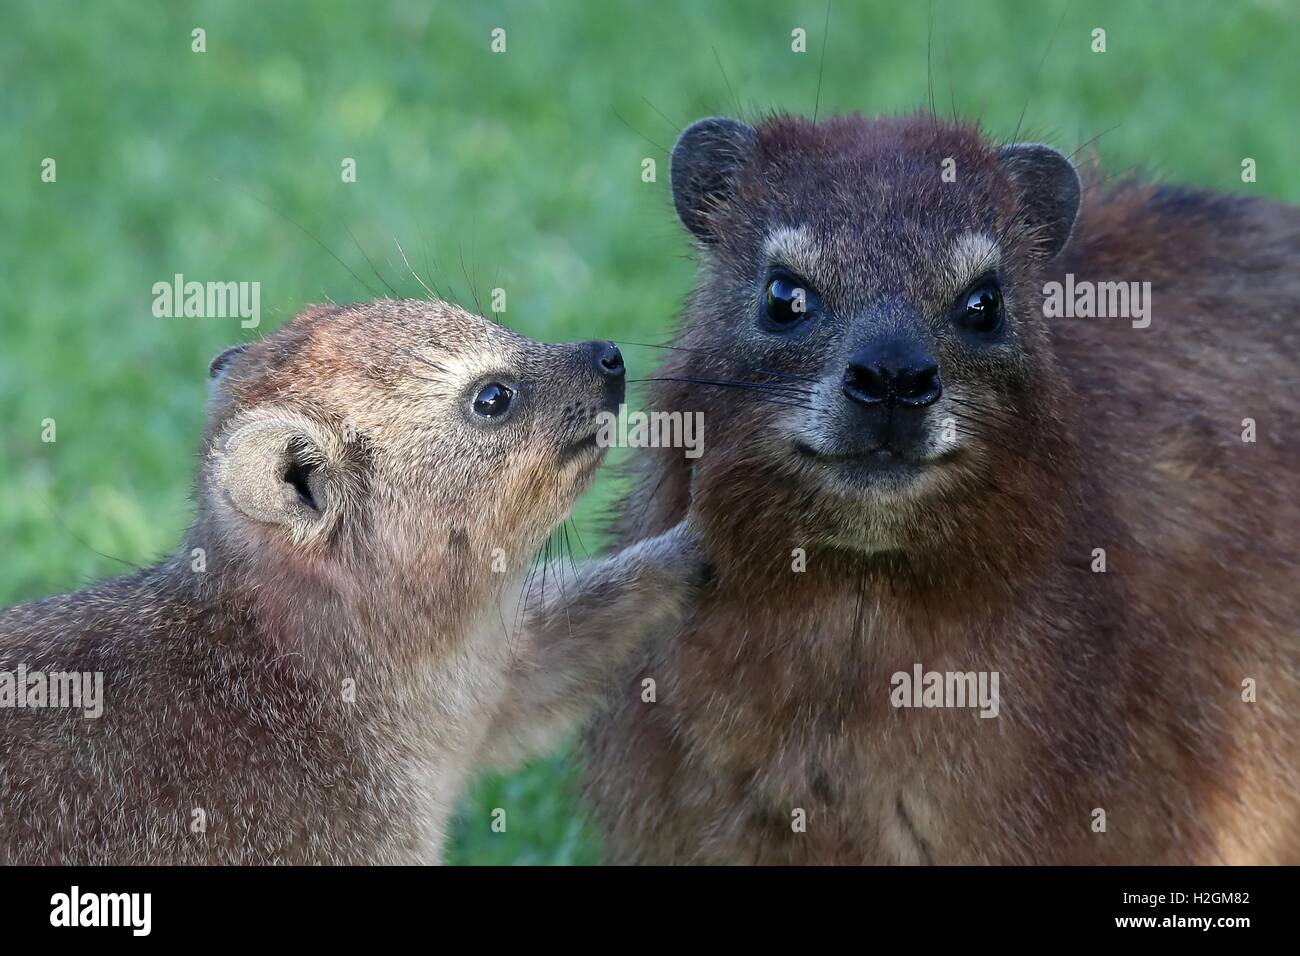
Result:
[492,400]
[982,310]
[788,301]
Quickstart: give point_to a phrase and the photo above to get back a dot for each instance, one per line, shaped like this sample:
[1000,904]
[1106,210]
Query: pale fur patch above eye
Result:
[973,254]
[795,249]
[457,370]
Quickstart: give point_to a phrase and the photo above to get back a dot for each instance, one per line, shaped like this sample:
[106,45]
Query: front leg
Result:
[577,633]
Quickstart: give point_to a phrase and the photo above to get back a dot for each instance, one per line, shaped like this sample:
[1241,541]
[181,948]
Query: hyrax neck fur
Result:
[340,641]
[926,466]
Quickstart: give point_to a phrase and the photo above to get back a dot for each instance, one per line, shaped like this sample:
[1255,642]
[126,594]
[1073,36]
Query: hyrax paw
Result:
[678,558]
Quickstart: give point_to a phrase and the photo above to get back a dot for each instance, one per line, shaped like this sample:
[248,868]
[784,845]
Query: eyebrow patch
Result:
[794,248]
[973,254]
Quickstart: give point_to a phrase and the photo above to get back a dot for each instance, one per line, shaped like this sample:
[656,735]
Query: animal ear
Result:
[279,469]
[1049,192]
[707,159]
[218,366]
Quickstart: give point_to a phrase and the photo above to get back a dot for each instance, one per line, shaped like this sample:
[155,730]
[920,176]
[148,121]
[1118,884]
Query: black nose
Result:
[892,375]
[609,360]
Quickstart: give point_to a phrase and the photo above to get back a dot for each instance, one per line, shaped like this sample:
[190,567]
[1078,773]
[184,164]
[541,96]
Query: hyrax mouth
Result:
[881,467]
[584,416]
[879,457]
[581,447]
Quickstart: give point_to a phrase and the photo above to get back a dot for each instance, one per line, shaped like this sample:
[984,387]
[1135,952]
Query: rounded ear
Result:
[280,468]
[708,157]
[218,366]
[1049,192]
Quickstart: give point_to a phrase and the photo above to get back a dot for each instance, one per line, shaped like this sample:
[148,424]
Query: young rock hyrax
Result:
[340,641]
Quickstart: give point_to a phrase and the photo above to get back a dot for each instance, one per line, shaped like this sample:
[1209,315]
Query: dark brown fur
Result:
[1120,690]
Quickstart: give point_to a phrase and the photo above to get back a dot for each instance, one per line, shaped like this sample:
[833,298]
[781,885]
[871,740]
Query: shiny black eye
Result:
[982,310]
[788,302]
[492,400]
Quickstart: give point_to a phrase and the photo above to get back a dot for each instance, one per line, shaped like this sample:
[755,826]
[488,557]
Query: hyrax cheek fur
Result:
[344,635]
[930,463]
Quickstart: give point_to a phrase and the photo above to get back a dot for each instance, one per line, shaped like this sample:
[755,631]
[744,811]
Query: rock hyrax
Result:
[333,649]
[944,456]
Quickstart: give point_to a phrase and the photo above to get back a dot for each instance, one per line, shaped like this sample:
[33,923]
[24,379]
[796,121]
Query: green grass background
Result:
[520,170]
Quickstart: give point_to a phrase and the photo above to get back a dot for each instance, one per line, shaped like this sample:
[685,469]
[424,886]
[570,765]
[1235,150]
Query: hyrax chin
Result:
[335,646]
[931,474]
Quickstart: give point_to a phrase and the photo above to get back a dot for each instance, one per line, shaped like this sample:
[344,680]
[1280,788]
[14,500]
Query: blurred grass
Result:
[520,170]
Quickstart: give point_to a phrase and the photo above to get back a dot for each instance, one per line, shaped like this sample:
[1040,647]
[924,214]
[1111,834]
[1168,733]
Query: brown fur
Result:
[1120,690]
[225,686]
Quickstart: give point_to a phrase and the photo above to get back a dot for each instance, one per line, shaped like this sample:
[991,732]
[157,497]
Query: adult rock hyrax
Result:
[925,468]
[333,649]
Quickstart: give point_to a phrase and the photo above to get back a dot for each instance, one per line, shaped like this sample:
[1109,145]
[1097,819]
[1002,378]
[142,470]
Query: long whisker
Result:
[1065,8]
[985,416]
[412,270]
[568,547]
[577,534]
[997,415]
[521,609]
[428,268]
[82,541]
[998,425]
[369,261]
[775,388]
[718,60]
[780,390]
[983,435]
[1086,143]
[990,433]
[929,61]
[764,395]
[478,306]
[649,500]
[451,286]
[821,67]
[306,232]
[677,127]
[717,352]
[637,131]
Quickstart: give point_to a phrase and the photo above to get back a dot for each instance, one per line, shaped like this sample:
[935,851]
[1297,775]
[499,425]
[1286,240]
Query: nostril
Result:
[918,387]
[866,384]
[611,360]
[869,383]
